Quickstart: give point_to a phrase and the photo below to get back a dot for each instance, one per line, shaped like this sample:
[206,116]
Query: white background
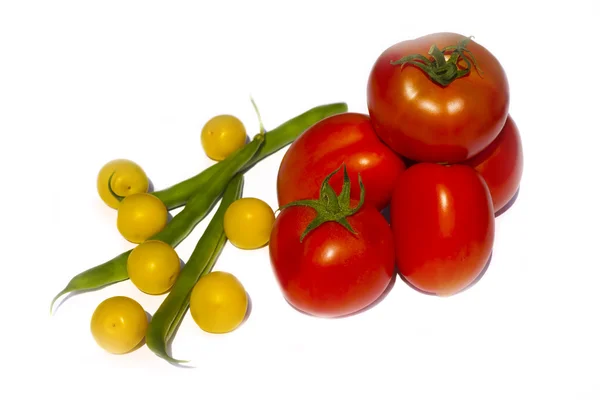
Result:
[84,82]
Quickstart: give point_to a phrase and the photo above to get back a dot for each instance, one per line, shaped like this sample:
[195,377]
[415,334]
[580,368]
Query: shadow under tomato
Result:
[150,186]
[248,309]
[169,217]
[387,214]
[136,348]
[408,162]
[142,343]
[381,297]
[473,283]
[403,278]
[509,204]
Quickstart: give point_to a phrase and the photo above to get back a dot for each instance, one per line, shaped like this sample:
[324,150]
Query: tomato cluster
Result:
[438,147]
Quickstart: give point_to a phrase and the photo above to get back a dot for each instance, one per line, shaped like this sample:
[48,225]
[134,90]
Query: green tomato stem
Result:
[440,70]
[330,207]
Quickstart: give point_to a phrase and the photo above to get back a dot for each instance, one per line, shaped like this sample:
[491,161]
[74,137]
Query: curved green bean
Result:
[168,316]
[176,195]
[177,229]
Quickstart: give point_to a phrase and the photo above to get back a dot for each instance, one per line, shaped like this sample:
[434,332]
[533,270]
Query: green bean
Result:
[176,195]
[177,229]
[168,316]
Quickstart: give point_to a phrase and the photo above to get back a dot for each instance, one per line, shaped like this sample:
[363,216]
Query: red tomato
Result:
[429,121]
[343,138]
[501,165]
[332,272]
[443,223]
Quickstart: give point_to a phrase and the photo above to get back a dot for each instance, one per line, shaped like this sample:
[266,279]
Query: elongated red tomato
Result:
[501,165]
[438,98]
[343,138]
[332,256]
[443,223]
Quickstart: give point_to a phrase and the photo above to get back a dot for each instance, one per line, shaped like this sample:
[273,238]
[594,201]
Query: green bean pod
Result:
[177,195]
[175,231]
[168,316]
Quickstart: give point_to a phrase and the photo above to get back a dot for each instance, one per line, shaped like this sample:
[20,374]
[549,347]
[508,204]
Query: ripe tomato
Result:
[343,138]
[218,302]
[140,216]
[119,324]
[126,178]
[153,267]
[333,256]
[501,165]
[248,222]
[443,223]
[423,113]
[222,135]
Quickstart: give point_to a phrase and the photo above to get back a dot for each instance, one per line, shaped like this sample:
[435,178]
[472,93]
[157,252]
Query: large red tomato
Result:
[333,256]
[501,165]
[443,106]
[443,223]
[343,138]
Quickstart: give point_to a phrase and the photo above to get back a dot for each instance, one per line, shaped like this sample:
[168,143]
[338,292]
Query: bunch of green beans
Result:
[200,193]
[168,316]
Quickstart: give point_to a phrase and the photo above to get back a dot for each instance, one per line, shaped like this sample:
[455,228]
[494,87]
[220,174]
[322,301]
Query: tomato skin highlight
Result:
[427,122]
[343,138]
[332,273]
[443,223]
[501,165]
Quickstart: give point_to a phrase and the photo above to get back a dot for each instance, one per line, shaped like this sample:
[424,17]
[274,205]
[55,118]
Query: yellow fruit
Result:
[119,324]
[248,223]
[218,302]
[141,216]
[129,178]
[153,267]
[222,135]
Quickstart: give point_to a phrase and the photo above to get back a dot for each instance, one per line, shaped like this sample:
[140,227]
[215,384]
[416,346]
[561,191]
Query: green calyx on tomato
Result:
[330,207]
[110,189]
[439,69]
